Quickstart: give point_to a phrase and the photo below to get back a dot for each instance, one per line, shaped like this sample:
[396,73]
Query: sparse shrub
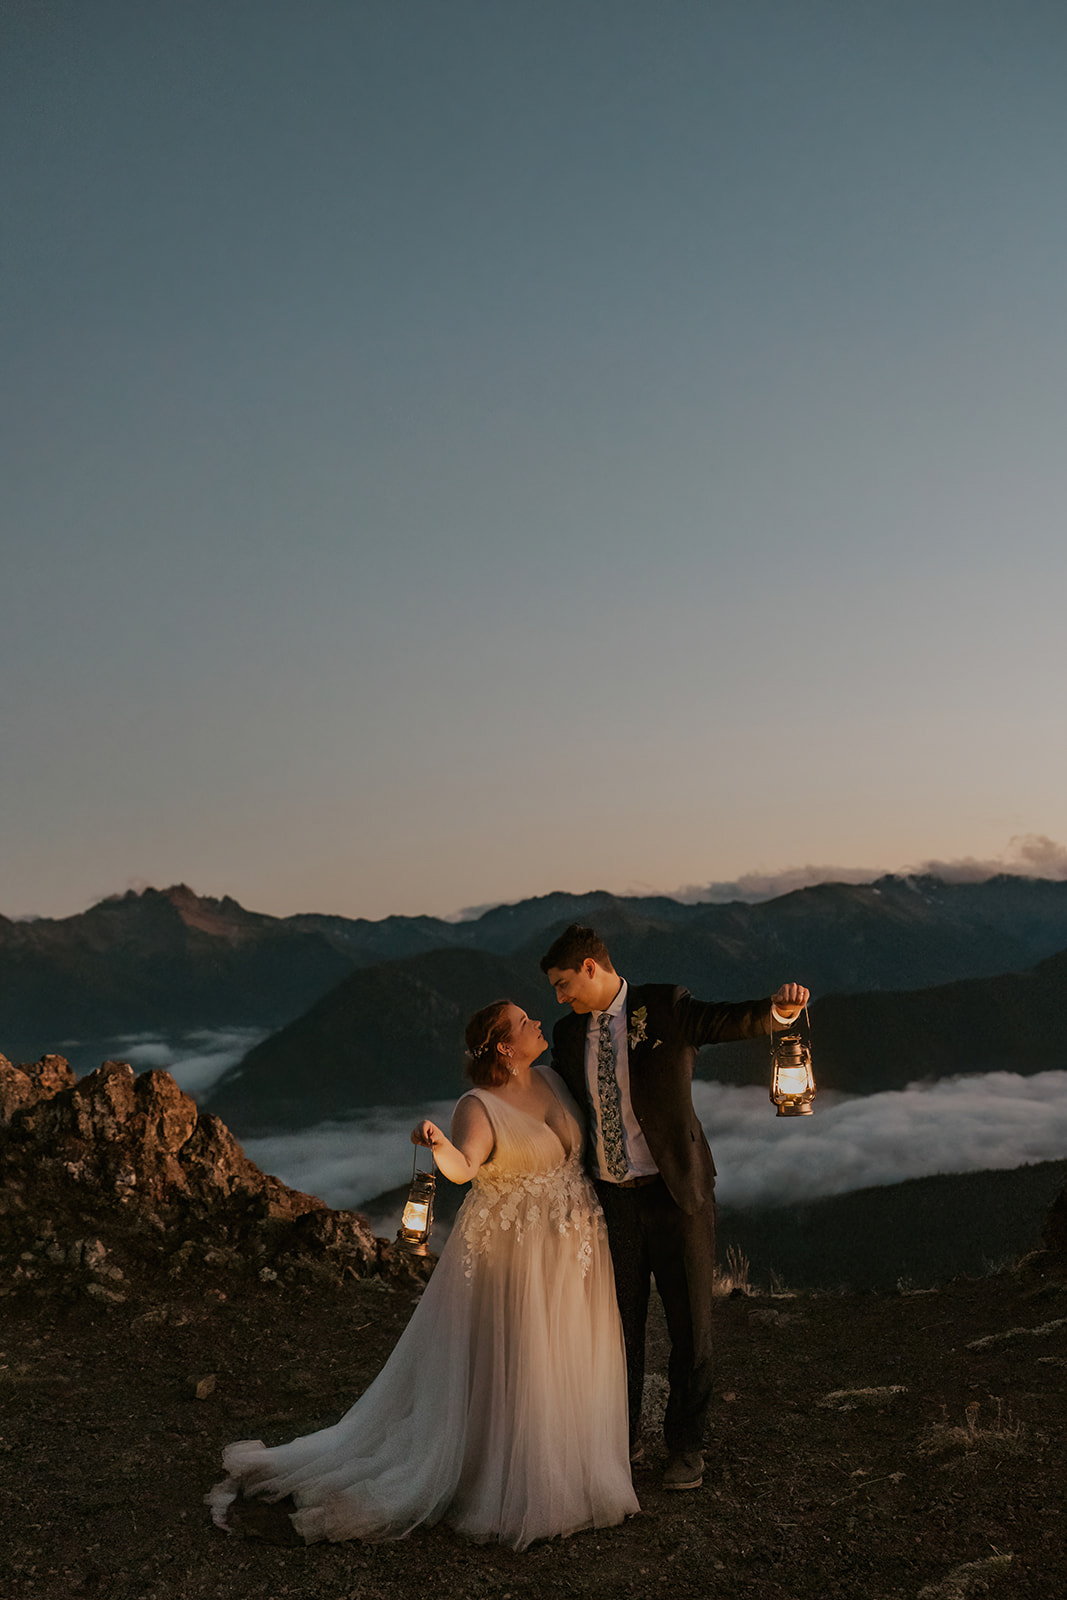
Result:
[1002,1435]
[735,1278]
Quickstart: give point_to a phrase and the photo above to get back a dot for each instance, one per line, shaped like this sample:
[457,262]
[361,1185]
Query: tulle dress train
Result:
[502,1410]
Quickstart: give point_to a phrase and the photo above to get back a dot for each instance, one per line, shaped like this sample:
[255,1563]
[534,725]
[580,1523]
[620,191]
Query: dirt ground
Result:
[941,1475]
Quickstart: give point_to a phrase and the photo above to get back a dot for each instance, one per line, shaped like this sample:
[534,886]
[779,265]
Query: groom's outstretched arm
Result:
[716,1021]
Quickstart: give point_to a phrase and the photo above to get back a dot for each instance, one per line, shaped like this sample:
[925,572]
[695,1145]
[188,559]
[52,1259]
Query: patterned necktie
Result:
[610,1103]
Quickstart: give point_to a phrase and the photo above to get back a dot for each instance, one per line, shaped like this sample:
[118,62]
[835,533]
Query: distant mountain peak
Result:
[225,918]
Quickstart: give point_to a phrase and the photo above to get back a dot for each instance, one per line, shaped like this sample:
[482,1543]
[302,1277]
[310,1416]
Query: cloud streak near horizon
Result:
[1030,855]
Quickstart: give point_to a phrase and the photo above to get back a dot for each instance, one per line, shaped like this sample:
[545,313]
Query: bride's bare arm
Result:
[471,1143]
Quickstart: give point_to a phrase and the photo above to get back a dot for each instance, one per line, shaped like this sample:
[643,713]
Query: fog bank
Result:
[997,1119]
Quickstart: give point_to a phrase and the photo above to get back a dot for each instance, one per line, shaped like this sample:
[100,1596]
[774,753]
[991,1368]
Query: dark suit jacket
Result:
[661,1075]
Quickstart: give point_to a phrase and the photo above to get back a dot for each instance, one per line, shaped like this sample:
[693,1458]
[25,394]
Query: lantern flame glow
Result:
[792,1083]
[415,1215]
[791,1080]
[417,1218]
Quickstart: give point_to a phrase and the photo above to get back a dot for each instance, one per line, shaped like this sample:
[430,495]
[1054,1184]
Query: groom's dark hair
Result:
[575,945]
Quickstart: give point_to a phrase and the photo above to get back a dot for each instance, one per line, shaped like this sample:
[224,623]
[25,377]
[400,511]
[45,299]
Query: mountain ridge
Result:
[159,961]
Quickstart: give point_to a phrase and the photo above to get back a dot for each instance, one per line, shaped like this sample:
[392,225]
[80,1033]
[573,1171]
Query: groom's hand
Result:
[790,1000]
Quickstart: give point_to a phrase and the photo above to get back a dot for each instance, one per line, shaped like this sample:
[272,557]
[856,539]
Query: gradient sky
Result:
[453,451]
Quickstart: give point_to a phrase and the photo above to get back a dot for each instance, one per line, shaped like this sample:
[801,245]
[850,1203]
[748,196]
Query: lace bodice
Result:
[530,1182]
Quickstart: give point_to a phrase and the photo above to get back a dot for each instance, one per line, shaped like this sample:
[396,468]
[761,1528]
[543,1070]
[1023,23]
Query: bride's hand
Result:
[426,1133]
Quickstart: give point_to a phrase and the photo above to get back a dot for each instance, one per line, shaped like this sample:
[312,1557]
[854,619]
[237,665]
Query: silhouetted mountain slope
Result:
[387,1035]
[922,1232]
[378,1037]
[157,960]
[865,1043]
[882,1041]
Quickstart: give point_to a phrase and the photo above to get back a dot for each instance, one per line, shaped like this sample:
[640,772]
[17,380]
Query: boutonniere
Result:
[638,1027]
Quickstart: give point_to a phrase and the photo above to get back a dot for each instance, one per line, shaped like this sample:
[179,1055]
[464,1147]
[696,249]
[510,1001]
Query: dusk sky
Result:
[453,451]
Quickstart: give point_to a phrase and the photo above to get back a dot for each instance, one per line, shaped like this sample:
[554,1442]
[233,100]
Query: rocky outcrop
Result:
[117,1176]
[26,1085]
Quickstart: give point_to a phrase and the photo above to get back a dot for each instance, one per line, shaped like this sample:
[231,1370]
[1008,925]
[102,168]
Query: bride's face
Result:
[525,1039]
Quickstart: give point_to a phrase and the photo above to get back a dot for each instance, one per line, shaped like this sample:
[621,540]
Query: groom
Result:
[627,1054]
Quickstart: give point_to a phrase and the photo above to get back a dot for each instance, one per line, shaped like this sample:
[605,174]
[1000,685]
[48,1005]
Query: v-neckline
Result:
[540,1121]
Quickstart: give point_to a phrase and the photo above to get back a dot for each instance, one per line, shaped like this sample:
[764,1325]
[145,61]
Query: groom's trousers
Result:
[651,1237]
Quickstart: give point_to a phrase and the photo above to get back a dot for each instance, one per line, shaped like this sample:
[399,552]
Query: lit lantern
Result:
[417,1220]
[792,1084]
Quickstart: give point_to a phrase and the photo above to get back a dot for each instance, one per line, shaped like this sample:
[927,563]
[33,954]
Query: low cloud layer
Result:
[348,1163]
[994,1120]
[967,1124]
[195,1060]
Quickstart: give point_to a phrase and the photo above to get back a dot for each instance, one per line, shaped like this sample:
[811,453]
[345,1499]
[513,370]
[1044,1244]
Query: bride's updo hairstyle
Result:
[486,1031]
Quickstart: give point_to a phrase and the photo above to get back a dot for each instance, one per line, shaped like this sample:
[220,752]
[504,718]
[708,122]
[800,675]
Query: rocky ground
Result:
[160,1297]
[877,1446]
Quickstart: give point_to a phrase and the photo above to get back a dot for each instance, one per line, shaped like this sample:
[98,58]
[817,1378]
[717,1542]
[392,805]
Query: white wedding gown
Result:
[502,1409]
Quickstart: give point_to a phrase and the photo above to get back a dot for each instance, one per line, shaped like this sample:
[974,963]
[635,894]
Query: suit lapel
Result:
[639,1053]
[571,1062]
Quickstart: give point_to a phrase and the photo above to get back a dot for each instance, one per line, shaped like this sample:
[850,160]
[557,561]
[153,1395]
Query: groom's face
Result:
[577,987]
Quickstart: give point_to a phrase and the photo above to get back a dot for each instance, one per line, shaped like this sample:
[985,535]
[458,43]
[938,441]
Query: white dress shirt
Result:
[639,1162]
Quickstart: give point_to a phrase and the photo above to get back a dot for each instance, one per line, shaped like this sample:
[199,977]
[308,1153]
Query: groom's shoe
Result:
[684,1470]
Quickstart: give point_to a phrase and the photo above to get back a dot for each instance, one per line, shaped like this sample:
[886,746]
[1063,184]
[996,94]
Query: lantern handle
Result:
[784,1032]
[803,1012]
[415,1162]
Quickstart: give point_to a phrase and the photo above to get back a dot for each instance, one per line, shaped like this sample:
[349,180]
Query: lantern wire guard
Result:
[417,1220]
[792,1082]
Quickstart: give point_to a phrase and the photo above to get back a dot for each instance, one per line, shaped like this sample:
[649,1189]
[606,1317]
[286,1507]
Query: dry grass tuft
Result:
[1001,1436]
[862,1399]
[1010,1335]
[973,1577]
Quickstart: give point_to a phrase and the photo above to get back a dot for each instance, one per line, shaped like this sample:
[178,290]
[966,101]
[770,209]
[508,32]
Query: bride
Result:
[502,1409]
